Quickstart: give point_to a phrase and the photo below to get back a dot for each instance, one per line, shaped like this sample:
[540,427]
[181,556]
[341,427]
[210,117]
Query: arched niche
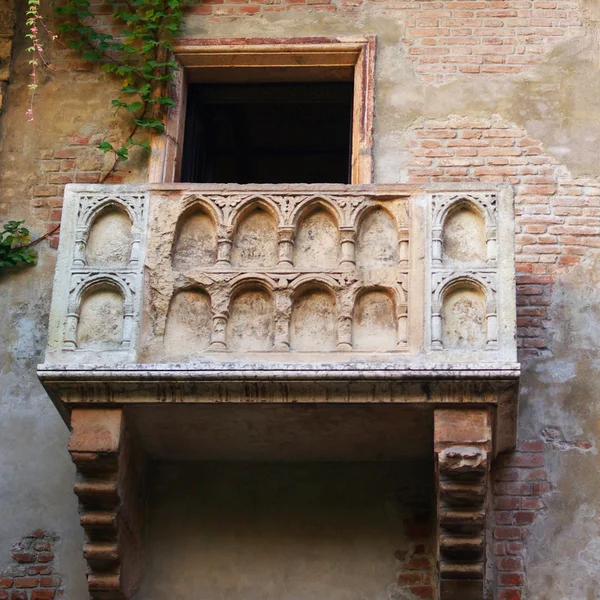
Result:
[374,324]
[463,236]
[255,240]
[317,240]
[314,320]
[101,317]
[189,323]
[195,243]
[251,325]
[464,325]
[376,240]
[110,238]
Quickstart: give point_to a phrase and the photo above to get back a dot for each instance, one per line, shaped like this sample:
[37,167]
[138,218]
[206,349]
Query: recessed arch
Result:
[464,238]
[464,315]
[255,241]
[374,322]
[195,240]
[101,314]
[377,239]
[189,323]
[314,319]
[317,239]
[110,236]
[250,326]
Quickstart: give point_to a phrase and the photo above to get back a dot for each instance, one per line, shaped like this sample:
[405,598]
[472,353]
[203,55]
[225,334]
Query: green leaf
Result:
[122,153]
[138,143]
[105,147]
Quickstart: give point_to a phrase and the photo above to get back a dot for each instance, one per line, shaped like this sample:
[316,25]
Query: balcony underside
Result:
[214,411]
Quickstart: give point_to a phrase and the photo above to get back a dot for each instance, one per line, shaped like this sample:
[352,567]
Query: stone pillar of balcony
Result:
[109,485]
[462,445]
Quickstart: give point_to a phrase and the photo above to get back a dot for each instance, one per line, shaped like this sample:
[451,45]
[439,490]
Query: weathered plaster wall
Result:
[432,124]
[288,530]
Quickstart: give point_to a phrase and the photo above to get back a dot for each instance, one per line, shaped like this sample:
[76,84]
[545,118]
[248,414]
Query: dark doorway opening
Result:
[268,133]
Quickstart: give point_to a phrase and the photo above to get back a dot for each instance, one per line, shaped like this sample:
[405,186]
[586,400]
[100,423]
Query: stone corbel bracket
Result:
[109,486]
[463,449]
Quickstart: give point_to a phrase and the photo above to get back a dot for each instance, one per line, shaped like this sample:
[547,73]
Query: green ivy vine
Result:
[139,55]
[15,246]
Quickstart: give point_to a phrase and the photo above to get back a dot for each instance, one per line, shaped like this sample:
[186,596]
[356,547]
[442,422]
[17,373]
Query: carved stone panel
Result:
[96,305]
[284,273]
[300,271]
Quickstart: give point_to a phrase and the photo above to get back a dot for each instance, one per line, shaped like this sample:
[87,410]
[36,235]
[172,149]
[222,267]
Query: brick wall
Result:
[557,216]
[416,576]
[519,484]
[78,161]
[31,574]
[464,37]
[446,38]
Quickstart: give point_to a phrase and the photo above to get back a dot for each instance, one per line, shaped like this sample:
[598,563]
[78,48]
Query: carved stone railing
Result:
[324,273]
[186,294]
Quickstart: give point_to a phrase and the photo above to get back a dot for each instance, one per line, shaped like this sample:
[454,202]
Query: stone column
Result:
[344,343]
[403,256]
[218,335]
[436,246]
[402,328]
[462,446]
[436,326]
[491,244]
[348,240]
[79,254]
[109,485]
[224,243]
[283,314]
[286,248]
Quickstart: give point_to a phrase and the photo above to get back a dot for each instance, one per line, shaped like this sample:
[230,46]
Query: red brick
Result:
[507,533]
[527,460]
[26,582]
[507,503]
[510,564]
[524,518]
[45,190]
[24,557]
[66,153]
[6,582]
[509,594]
[514,488]
[39,570]
[409,578]
[510,579]
[423,591]
[45,557]
[43,594]
[514,547]
[419,564]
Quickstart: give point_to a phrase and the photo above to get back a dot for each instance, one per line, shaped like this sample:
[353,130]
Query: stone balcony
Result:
[207,321]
